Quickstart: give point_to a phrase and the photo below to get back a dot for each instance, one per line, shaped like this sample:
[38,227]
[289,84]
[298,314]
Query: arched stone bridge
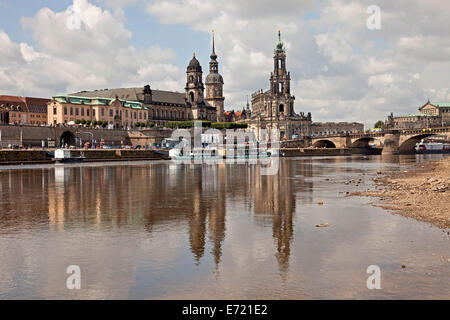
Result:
[393,141]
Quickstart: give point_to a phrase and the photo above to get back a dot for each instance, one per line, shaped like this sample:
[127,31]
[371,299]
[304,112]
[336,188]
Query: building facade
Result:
[274,108]
[116,112]
[431,115]
[441,109]
[23,110]
[124,107]
[333,128]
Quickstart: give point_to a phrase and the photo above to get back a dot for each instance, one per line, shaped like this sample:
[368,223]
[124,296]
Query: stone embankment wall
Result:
[34,135]
[298,152]
[36,156]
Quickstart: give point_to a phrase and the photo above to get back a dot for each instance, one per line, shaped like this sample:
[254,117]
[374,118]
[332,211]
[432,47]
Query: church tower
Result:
[280,85]
[195,89]
[214,85]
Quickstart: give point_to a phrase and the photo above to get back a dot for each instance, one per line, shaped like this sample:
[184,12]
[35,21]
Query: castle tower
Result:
[214,85]
[195,89]
[280,85]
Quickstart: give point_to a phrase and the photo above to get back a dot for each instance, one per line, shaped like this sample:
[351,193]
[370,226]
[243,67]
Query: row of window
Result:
[165,114]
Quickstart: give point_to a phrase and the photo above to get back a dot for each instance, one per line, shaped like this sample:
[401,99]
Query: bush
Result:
[77,121]
[88,122]
[229,125]
[83,121]
[104,124]
[186,124]
[149,124]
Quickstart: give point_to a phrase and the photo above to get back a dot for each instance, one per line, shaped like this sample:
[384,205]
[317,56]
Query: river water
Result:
[158,230]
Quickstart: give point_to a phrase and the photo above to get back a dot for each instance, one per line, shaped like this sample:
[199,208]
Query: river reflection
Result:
[248,235]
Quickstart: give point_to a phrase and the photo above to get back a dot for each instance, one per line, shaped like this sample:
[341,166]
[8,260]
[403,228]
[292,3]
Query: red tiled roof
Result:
[38,105]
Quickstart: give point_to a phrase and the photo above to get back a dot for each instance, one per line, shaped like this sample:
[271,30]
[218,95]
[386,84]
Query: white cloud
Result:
[340,70]
[98,55]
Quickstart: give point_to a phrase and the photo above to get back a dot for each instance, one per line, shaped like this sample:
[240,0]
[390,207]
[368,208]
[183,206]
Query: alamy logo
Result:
[75,17]
[374,281]
[374,20]
[236,146]
[73,282]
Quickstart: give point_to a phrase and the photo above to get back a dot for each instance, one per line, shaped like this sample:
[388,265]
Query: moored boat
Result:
[65,156]
[432,147]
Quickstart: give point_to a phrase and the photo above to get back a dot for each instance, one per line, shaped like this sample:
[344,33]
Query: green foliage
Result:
[379,125]
[229,125]
[104,123]
[88,122]
[186,124]
[83,121]
[78,121]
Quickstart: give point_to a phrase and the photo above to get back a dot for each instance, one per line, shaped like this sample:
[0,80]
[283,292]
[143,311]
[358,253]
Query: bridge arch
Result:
[67,138]
[409,144]
[362,142]
[324,144]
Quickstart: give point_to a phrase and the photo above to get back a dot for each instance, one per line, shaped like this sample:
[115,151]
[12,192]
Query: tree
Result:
[379,125]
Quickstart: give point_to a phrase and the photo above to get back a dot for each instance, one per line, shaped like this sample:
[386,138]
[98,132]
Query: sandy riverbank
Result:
[421,193]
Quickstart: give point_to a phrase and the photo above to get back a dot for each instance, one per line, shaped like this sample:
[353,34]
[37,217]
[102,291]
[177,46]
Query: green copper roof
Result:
[96,101]
[441,104]
[419,115]
[280,43]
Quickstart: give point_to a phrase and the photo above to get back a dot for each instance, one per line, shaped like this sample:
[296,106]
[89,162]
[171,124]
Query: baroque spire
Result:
[213,54]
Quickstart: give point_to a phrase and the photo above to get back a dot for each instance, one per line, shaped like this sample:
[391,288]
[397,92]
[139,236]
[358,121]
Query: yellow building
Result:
[437,109]
[118,113]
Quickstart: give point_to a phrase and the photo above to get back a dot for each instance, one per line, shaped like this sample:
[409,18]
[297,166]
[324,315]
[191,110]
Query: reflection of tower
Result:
[208,203]
[197,224]
[217,216]
[214,85]
[274,196]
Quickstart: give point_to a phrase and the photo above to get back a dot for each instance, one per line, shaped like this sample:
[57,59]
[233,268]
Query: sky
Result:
[341,70]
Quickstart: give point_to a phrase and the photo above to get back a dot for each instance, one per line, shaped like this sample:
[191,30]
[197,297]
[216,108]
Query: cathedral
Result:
[136,105]
[274,108]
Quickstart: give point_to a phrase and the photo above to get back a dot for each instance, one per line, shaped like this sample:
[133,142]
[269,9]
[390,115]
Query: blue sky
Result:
[178,37]
[340,70]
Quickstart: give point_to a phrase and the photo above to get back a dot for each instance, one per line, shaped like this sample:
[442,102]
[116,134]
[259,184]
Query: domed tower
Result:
[214,85]
[195,89]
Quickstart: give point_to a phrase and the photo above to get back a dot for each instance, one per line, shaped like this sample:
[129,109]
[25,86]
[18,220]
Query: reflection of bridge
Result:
[393,141]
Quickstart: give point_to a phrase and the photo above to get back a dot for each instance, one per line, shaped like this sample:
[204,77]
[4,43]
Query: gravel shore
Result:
[421,193]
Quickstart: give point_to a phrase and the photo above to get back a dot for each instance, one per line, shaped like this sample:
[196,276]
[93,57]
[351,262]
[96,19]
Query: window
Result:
[103,112]
[281,108]
[87,112]
[279,64]
[280,87]
[111,113]
[135,115]
[126,115]
[54,111]
[77,112]
[191,79]
[191,97]
[65,111]
[93,112]
[140,115]
[82,112]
